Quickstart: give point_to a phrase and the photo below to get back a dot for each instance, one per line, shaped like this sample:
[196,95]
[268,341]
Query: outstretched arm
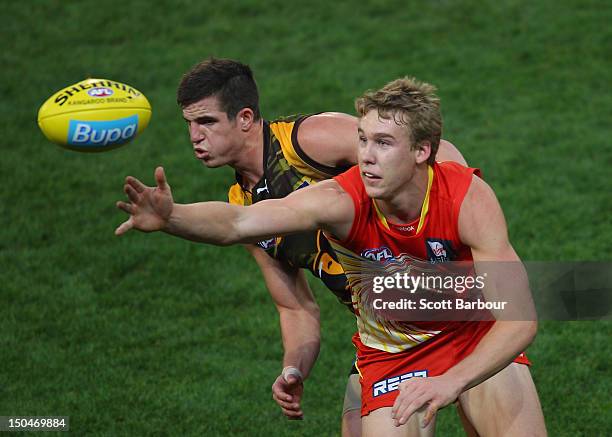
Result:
[324,205]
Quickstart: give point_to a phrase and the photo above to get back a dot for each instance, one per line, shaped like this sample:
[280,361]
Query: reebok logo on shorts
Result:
[391,384]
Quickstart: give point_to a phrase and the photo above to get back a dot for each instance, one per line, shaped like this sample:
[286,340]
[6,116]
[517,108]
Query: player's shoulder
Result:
[329,138]
[479,211]
[320,145]
[479,191]
[454,168]
[284,128]
[319,126]
[336,206]
[323,120]
[288,119]
[453,180]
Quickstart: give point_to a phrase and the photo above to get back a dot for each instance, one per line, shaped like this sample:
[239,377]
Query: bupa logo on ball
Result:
[102,133]
[100,92]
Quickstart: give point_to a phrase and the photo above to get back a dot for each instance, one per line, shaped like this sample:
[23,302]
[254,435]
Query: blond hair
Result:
[410,103]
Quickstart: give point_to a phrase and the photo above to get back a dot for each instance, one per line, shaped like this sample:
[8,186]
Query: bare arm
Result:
[482,227]
[297,309]
[324,205]
[299,323]
[330,138]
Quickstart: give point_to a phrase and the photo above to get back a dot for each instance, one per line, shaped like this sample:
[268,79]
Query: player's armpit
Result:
[330,138]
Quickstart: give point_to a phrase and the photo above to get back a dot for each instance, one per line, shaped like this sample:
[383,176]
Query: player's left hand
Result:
[435,392]
[287,391]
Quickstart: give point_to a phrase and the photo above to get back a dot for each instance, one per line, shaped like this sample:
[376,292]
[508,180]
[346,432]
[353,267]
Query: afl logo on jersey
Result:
[378,254]
[439,250]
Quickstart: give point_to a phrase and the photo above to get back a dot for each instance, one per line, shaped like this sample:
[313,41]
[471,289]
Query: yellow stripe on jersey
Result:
[424,207]
[237,196]
[283,131]
[358,371]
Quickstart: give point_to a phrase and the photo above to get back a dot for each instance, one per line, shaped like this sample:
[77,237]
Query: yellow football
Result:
[94,115]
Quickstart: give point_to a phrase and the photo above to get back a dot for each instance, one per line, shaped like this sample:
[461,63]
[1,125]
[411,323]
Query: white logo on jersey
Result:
[437,248]
[377,254]
[406,228]
[265,187]
[266,244]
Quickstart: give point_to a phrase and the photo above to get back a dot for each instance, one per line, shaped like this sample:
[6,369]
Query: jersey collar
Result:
[424,207]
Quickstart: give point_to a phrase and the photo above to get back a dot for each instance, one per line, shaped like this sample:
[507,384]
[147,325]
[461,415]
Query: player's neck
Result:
[249,162]
[405,206]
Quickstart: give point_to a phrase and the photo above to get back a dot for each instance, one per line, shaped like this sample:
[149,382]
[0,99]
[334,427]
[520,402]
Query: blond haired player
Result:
[397,183]
[220,103]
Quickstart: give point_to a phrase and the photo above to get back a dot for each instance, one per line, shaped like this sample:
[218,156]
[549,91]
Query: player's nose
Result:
[195,133]
[366,155]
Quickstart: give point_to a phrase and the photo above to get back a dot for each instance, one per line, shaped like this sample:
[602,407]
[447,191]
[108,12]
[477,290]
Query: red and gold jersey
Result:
[374,242]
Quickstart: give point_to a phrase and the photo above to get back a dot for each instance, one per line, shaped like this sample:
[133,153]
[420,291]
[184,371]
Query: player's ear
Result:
[423,151]
[245,119]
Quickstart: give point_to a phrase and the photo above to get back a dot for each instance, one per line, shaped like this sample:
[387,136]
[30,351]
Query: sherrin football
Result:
[94,115]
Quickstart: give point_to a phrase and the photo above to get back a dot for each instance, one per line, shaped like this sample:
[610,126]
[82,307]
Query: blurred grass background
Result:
[150,335]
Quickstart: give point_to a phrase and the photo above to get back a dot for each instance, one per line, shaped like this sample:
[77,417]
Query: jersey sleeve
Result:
[286,131]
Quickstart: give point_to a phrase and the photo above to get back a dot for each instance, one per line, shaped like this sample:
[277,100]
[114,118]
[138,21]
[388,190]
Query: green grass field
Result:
[150,335]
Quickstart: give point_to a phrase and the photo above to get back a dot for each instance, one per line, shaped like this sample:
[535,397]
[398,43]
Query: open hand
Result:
[149,207]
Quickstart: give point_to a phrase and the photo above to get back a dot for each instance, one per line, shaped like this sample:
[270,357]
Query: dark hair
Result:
[230,81]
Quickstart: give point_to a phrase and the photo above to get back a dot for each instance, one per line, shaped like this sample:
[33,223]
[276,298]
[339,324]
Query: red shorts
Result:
[382,372]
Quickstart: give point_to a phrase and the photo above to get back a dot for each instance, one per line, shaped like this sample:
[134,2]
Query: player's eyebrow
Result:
[383,135]
[378,135]
[203,119]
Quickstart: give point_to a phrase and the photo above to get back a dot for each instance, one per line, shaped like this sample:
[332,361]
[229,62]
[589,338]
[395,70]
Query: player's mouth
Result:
[370,177]
[202,154]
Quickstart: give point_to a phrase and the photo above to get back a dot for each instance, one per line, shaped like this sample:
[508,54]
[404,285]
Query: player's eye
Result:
[205,121]
[362,139]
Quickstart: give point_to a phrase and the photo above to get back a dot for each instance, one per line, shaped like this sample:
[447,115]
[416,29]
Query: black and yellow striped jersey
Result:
[286,169]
